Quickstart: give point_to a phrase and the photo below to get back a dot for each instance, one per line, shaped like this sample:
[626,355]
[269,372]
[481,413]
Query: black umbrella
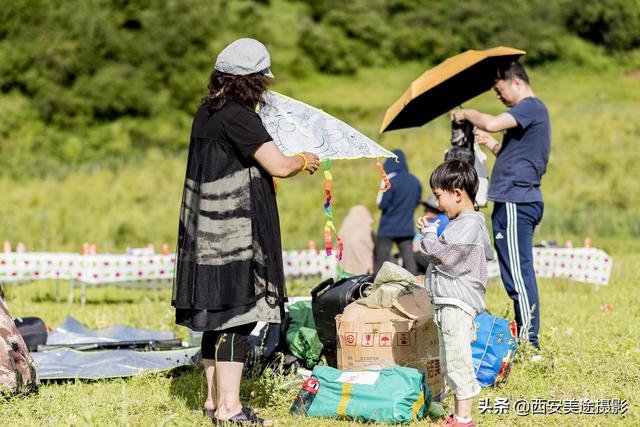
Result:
[447,85]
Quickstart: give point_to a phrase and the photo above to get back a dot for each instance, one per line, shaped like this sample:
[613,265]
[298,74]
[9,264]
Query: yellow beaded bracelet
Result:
[306,161]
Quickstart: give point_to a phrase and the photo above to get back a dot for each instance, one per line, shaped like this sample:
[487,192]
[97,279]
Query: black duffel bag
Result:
[329,299]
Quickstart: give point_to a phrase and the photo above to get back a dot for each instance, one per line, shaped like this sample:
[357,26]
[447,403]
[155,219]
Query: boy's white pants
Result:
[456,330]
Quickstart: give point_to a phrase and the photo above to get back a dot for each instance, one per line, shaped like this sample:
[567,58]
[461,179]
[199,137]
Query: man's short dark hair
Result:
[511,71]
[454,174]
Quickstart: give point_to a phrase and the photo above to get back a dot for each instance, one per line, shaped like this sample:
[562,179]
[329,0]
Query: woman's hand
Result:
[280,166]
[313,162]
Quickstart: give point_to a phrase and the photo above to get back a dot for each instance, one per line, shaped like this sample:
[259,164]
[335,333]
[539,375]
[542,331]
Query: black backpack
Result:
[462,140]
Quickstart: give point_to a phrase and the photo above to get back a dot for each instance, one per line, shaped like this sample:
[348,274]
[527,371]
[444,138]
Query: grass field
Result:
[587,354]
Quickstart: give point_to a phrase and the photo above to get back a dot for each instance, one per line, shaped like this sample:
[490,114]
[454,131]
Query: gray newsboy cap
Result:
[244,56]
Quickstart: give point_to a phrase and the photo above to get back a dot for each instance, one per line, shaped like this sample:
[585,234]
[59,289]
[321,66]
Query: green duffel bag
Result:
[394,395]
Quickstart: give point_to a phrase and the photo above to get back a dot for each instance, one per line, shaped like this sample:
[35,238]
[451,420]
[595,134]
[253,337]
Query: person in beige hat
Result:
[229,270]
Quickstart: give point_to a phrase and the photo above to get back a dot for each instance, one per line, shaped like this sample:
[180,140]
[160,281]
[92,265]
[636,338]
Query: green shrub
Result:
[612,23]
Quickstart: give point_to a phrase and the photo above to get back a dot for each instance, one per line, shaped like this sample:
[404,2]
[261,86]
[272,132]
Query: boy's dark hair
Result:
[455,174]
[512,70]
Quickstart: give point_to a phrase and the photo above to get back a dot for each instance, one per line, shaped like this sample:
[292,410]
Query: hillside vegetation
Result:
[97,99]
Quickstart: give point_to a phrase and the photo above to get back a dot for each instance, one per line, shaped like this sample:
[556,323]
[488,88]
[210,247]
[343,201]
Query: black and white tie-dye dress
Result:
[229,256]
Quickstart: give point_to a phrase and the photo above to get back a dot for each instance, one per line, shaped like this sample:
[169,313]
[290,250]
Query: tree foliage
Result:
[398,30]
[612,23]
[85,81]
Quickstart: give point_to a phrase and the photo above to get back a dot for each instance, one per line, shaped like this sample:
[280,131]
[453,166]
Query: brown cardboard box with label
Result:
[402,335]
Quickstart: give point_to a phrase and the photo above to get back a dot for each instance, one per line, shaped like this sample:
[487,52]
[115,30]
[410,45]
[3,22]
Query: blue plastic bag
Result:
[494,349]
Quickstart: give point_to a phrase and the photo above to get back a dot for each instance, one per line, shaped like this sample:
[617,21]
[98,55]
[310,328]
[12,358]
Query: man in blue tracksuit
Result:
[521,160]
[398,206]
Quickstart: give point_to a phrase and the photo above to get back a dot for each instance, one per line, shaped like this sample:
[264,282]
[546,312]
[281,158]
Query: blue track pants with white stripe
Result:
[513,226]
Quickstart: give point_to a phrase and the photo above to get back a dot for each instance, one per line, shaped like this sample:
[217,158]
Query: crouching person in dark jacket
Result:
[398,205]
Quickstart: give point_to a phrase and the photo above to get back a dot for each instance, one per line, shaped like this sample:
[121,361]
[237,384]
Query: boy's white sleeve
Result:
[455,253]
[430,227]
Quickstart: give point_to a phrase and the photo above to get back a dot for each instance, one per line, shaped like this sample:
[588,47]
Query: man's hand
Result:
[458,116]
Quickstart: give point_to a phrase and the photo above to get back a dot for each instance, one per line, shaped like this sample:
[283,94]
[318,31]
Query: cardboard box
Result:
[402,335]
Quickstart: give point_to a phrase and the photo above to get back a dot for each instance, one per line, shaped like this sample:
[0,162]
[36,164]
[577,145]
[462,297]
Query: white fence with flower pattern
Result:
[589,265]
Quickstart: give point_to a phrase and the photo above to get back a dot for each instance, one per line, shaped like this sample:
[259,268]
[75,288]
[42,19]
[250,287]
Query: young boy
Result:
[456,278]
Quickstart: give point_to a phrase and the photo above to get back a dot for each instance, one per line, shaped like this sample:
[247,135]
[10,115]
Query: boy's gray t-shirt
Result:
[457,270]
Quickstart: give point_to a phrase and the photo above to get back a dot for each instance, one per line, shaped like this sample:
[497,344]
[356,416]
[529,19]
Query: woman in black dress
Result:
[229,272]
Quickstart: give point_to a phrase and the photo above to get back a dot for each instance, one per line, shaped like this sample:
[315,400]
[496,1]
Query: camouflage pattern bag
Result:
[17,370]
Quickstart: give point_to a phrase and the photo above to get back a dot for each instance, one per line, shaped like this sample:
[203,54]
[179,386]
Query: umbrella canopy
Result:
[447,85]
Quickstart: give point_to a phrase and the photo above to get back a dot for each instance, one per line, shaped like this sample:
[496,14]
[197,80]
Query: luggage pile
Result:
[379,322]
[379,339]
[402,335]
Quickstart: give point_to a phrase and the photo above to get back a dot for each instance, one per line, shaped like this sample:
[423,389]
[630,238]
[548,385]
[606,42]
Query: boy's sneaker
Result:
[451,422]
